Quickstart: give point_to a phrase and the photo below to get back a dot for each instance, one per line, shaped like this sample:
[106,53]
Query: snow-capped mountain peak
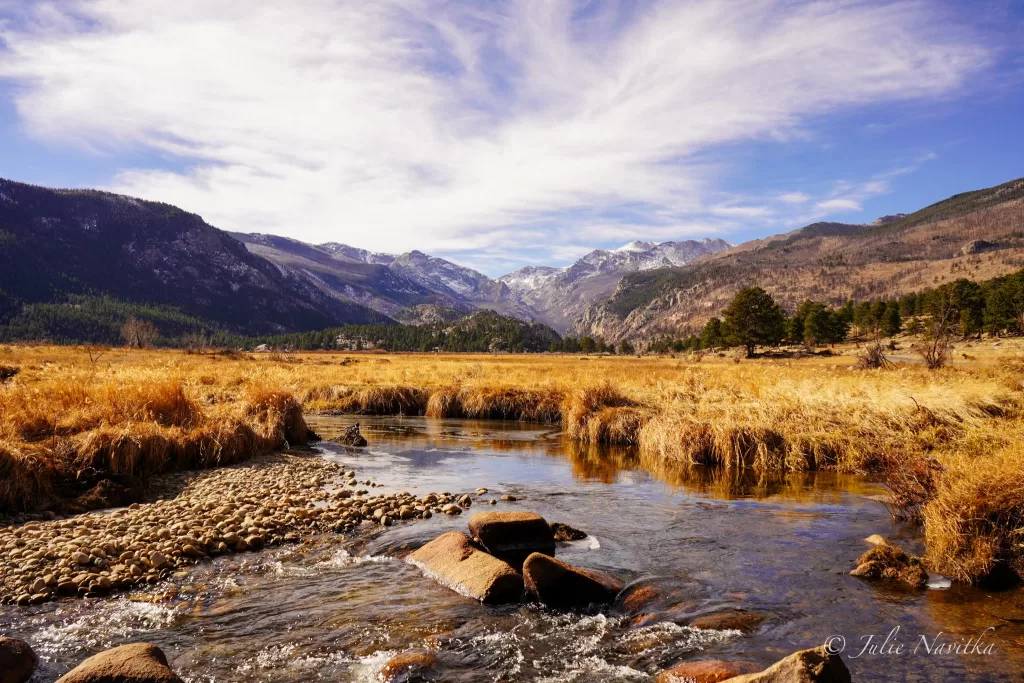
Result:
[636,246]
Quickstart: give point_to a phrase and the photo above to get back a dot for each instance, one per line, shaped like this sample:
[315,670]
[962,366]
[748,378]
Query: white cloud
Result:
[794,198]
[838,205]
[452,126]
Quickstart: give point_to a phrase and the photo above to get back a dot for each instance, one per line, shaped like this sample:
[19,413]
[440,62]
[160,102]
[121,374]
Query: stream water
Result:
[339,608]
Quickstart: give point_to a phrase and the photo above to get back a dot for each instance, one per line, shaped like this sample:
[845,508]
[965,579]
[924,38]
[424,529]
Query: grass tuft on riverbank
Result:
[60,428]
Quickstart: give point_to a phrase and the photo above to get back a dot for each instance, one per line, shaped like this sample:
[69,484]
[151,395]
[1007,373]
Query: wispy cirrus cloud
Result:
[464,126]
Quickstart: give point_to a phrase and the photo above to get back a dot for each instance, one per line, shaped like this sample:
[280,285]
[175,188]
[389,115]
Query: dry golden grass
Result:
[146,411]
[59,420]
[975,521]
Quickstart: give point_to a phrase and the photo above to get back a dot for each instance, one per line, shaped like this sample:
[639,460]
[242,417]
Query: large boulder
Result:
[457,563]
[806,666]
[706,671]
[512,536]
[560,584]
[17,660]
[136,663]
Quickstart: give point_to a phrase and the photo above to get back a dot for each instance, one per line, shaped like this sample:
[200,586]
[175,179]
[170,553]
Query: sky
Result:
[503,134]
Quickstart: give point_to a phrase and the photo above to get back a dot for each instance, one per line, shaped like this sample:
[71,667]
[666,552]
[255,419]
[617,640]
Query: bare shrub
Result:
[936,347]
[873,358]
[139,334]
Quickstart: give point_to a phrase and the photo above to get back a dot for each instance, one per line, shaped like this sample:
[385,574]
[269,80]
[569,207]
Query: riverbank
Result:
[191,517]
[342,607]
[929,433]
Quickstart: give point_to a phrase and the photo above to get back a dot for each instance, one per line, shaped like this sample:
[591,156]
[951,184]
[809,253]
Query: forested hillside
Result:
[56,245]
[478,332]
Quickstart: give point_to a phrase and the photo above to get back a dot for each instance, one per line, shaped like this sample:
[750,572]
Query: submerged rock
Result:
[729,620]
[706,671]
[564,532]
[136,663]
[512,536]
[805,666]
[559,584]
[456,563]
[635,599]
[409,667]
[891,562]
[17,660]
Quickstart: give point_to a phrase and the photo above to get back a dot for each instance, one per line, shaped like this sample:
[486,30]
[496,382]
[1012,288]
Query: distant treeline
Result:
[483,331]
[103,320]
[965,307]
[100,320]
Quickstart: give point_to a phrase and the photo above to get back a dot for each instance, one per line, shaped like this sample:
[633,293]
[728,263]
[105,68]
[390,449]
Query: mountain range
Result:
[56,244]
[393,283]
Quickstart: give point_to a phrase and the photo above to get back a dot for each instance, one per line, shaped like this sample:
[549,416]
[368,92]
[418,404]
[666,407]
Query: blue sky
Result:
[502,134]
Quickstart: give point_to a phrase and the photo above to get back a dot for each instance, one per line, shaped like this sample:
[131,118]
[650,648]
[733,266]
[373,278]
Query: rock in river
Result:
[351,437]
[17,660]
[409,667]
[136,663]
[456,563]
[706,671]
[512,536]
[564,532]
[891,562]
[805,666]
[559,584]
[729,620]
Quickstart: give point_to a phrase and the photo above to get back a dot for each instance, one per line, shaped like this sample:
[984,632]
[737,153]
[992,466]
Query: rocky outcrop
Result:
[891,562]
[559,584]
[136,663]
[976,247]
[17,660]
[409,667]
[512,536]
[706,671]
[564,532]
[457,563]
[806,666]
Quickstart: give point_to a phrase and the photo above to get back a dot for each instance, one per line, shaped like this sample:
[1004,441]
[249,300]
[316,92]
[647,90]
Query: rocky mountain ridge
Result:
[56,244]
[393,283]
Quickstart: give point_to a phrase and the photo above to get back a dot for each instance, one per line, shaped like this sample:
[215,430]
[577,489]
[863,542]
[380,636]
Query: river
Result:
[338,608]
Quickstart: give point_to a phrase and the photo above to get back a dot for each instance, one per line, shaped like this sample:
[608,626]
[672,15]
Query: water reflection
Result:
[428,442]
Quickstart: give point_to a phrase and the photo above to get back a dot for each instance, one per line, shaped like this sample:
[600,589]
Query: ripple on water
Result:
[83,626]
[287,658]
[341,559]
[546,646]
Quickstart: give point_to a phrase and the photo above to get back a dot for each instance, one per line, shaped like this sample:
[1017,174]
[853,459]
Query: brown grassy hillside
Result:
[828,262]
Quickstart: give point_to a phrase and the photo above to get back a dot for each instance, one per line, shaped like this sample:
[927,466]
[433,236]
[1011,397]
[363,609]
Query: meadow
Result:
[947,442]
